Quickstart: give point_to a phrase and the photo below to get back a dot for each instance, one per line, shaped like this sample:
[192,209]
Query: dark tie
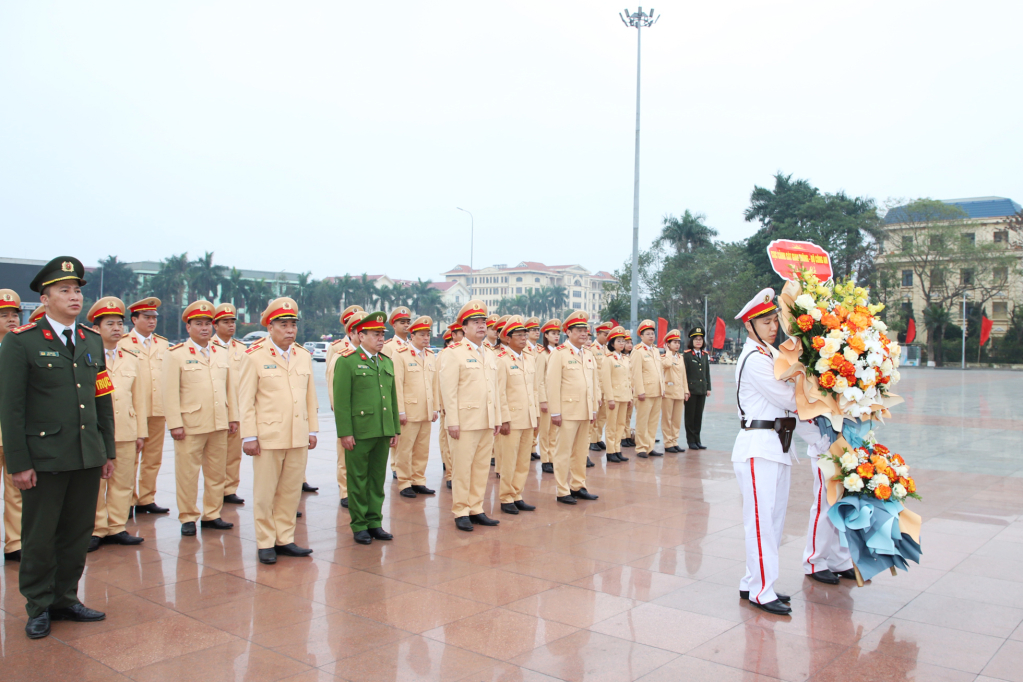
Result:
[70,340]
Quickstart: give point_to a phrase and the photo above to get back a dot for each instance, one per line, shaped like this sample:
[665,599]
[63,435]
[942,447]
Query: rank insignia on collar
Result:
[48,335]
[363,356]
[134,339]
[81,334]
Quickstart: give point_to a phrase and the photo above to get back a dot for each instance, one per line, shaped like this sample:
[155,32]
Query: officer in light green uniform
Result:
[57,416]
[366,412]
[697,363]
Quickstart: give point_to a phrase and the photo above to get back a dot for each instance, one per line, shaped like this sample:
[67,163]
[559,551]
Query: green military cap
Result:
[373,322]
[58,270]
[696,331]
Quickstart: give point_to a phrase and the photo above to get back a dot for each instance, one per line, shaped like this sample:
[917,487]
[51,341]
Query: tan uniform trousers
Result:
[115,492]
[470,455]
[627,429]
[597,429]
[546,438]
[151,459]
[671,420]
[233,468]
[617,425]
[513,454]
[12,510]
[445,448]
[573,441]
[342,471]
[413,454]
[208,451]
[277,488]
[648,413]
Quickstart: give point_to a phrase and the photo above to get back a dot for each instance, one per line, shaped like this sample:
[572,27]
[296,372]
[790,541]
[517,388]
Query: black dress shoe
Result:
[218,524]
[613,457]
[233,499]
[744,594]
[79,613]
[363,537]
[38,627]
[848,574]
[151,508]
[344,502]
[533,456]
[670,449]
[776,607]
[463,523]
[654,453]
[567,499]
[522,506]
[188,528]
[94,543]
[291,549]
[693,446]
[622,458]
[298,515]
[701,446]
[582,494]
[379,534]
[589,463]
[594,447]
[628,442]
[509,508]
[448,484]
[267,556]
[408,492]
[482,520]
[602,444]
[825,576]
[306,488]
[423,490]
[641,455]
[547,467]
[122,538]
[12,556]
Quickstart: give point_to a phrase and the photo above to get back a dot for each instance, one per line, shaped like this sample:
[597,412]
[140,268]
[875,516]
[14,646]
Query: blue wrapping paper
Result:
[870,529]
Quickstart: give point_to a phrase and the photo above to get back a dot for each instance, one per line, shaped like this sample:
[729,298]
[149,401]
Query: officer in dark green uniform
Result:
[366,412]
[57,418]
[698,376]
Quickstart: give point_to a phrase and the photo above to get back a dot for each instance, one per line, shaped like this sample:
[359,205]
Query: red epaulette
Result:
[176,346]
[455,345]
[763,352]
[403,349]
[250,349]
[337,342]
[561,347]
[346,352]
[502,354]
[23,328]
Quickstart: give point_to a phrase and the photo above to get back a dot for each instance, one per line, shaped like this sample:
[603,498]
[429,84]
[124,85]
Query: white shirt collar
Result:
[571,347]
[415,351]
[517,356]
[279,349]
[141,338]
[472,345]
[363,350]
[58,327]
[197,346]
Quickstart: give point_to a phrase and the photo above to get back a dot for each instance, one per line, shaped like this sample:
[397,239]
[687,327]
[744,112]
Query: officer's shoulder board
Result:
[346,352]
[90,329]
[303,348]
[763,352]
[23,328]
[455,345]
[177,345]
[687,350]
[561,347]
[337,342]
[251,349]
[129,351]
[403,349]
[502,354]
[160,337]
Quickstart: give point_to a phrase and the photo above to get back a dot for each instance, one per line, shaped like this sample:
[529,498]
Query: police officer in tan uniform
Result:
[442,435]
[599,349]
[10,318]
[200,396]
[278,405]
[225,319]
[516,384]
[399,319]
[533,347]
[627,440]
[468,383]
[415,380]
[676,391]
[551,332]
[617,386]
[572,400]
[151,350]
[107,317]
[491,341]
[334,351]
[648,389]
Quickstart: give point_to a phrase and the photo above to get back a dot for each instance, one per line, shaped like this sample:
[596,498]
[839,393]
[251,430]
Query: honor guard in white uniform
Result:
[824,559]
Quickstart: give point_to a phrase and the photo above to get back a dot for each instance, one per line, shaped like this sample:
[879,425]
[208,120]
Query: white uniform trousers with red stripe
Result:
[824,548]
[765,496]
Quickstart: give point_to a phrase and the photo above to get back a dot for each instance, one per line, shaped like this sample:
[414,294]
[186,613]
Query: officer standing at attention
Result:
[114,502]
[516,385]
[648,387]
[442,435]
[572,399]
[599,349]
[617,393]
[399,319]
[533,348]
[151,349]
[491,341]
[278,407]
[10,318]
[225,321]
[468,384]
[334,351]
[200,394]
[627,440]
[698,375]
[366,413]
[415,380]
[551,334]
[58,434]
[676,391]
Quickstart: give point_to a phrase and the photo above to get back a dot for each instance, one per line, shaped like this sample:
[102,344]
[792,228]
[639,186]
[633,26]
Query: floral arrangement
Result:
[845,350]
[873,471]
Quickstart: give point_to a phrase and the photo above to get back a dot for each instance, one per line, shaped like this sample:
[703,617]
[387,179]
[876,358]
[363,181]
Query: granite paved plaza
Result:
[640,585]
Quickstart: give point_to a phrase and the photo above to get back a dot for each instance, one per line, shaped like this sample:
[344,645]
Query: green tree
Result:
[170,284]
[688,233]
[235,290]
[117,279]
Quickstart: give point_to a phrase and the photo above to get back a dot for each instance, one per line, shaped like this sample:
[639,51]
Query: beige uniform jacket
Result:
[235,350]
[334,351]
[615,378]
[391,347]
[571,384]
[675,384]
[516,383]
[200,394]
[415,378]
[468,386]
[543,356]
[150,368]
[647,376]
[598,352]
[278,398]
[130,422]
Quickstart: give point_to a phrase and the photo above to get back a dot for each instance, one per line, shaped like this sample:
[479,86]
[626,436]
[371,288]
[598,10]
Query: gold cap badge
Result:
[67,266]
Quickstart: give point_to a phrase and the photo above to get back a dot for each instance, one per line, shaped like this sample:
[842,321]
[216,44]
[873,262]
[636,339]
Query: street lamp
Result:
[638,20]
[472,226]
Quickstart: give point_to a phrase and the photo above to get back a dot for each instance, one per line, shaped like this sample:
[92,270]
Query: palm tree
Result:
[118,279]
[936,319]
[234,289]
[170,283]
[387,295]
[258,296]
[205,278]
[687,234]
[346,289]
[557,298]
[304,291]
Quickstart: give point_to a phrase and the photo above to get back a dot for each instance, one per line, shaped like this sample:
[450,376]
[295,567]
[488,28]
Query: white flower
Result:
[896,376]
[902,471]
[853,483]
[836,334]
[822,366]
[886,367]
[852,394]
[806,302]
[850,354]
[874,359]
[879,479]
[895,349]
[899,491]
[849,461]
[841,384]
[831,347]
[816,314]
[880,326]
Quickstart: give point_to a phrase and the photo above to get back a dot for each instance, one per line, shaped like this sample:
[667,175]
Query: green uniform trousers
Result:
[367,472]
[58,517]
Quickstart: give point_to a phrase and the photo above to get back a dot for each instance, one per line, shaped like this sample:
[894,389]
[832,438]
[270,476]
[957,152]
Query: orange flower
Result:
[881,450]
[862,310]
[890,473]
[818,342]
[882,492]
[848,370]
[805,322]
[897,460]
[879,462]
[827,380]
[857,321]
[865,470]
[841,312]
[909,484]
[836,362]
[856,343]
[830,321]
[885,340]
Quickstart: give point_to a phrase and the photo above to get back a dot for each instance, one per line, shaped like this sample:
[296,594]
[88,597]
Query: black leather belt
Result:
[757,424]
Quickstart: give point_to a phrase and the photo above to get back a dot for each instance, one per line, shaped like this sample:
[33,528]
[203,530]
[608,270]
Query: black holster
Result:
[785,427]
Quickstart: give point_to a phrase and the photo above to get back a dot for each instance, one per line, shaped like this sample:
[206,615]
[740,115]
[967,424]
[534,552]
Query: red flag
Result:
[911,330]
[662,331]
[719,334]
[985,329]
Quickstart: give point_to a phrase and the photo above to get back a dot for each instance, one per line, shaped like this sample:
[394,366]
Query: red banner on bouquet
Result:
[788,256]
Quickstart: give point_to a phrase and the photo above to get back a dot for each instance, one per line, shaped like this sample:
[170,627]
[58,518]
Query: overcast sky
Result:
[339,137]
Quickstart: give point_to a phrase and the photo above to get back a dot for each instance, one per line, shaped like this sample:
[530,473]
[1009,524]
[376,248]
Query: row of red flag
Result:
[985,330]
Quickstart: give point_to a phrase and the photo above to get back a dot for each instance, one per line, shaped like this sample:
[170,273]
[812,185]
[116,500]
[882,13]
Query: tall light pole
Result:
[472,229]
[638,20]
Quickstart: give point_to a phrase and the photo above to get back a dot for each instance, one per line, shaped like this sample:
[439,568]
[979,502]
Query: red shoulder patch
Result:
[337,342]
[23,328]
[403,349]
[561,347]
[455,345]
[249,350]
[346,352]
[502,354]
[176,346]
